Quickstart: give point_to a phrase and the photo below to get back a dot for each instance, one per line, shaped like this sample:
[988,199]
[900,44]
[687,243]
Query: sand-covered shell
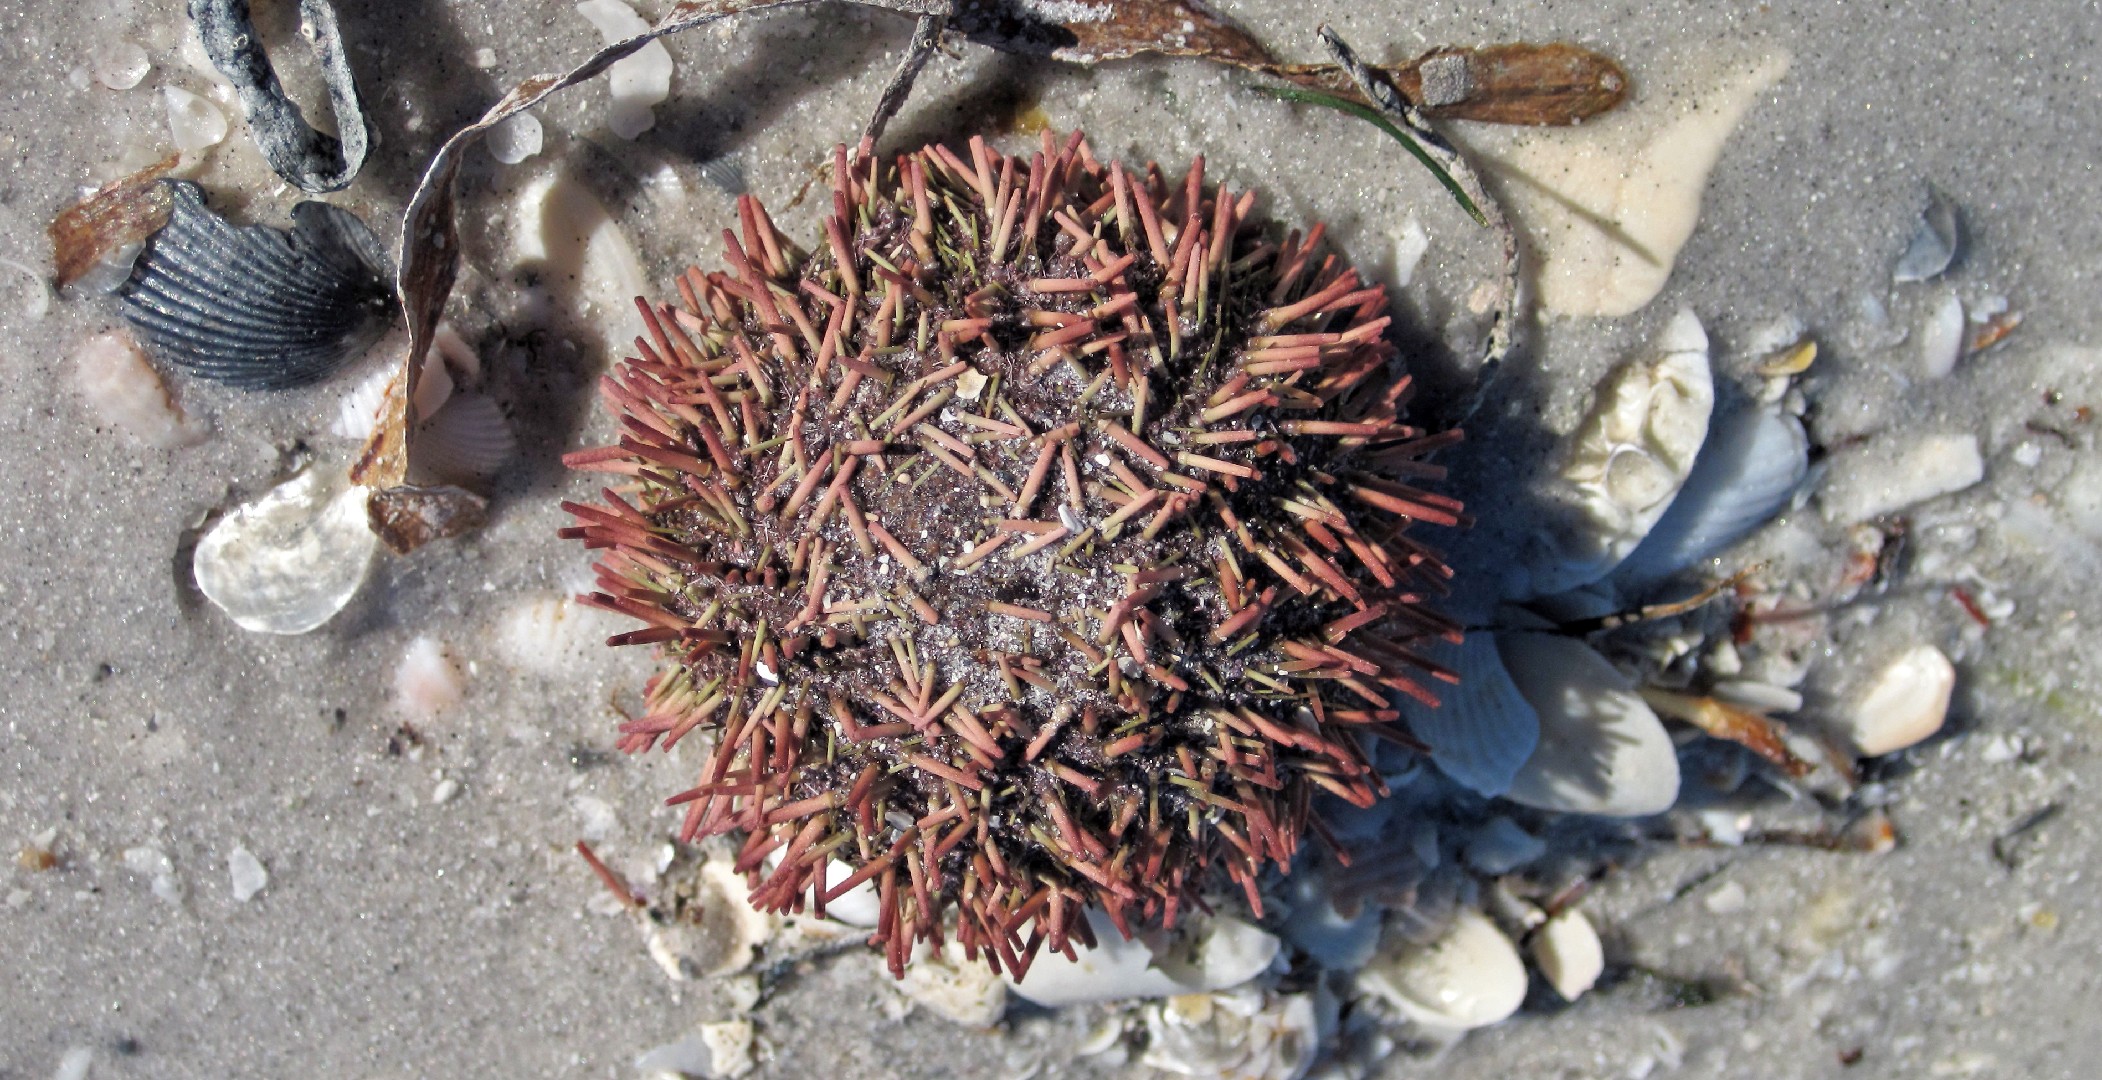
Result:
[1629,458]
[256,307]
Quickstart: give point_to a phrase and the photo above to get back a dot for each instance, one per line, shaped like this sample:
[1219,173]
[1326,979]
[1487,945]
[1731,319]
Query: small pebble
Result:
[249,876]
[196,124]
[75,1063]
[1569,953]
[1904,703]
[1891,473]
[484,58]
[445,791]
[1727,899]
[514,140]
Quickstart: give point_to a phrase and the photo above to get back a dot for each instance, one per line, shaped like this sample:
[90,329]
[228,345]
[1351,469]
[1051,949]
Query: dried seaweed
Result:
[312,160]
[121,212]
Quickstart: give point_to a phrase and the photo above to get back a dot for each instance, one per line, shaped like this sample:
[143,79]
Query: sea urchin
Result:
[1038,542]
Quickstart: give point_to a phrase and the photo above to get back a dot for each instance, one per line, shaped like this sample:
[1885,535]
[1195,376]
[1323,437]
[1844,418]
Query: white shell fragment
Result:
[1893,472]
[515,139]
[859,906]
[195,123]
[965,991]
[289,561]
[1750,466]
[1569,953]
[118,63]
[1904,704]
[427,682]
[1210,954]
[551,634]
[1632,454]
[725,939]
[247,874]
[566,238]
[1941,338]
[1469,977]
[112,375]
[1482,729]
[1602,751]
[640,80]
[1245,1034]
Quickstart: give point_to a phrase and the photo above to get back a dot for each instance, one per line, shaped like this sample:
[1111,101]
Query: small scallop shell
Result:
[468,440]
[1482,730]
[1602,751]
[1468,977]
[256,307]
[1750,467]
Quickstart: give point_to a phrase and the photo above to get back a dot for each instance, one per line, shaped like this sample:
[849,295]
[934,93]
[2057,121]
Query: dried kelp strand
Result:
[255,307]
[315,161]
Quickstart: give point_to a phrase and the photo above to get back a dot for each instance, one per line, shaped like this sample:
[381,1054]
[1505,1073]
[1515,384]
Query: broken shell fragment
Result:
[1631,456]
[1246,1034]
[255,307]
[958,987]
[1904,704]
[1602,750]
[114,378]
[1469,977]
[1569,953]
[468,440]
[289,561]
[636,82]
[1934,242]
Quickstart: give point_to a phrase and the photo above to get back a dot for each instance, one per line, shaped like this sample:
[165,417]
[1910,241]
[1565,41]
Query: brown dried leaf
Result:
[1091,33]
[408,516]
[1549,85]
[125,211]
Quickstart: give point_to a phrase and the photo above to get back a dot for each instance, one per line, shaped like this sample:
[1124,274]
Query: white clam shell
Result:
[1751,464]
[1602,751]
[1213,954]
[1482,730]
[1569,953]
[1941,337]
[1631,455]
[1904,704]
[289,561]
[1469,977]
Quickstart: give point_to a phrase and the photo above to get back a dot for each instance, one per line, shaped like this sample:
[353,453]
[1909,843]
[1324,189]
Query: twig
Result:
[926,36]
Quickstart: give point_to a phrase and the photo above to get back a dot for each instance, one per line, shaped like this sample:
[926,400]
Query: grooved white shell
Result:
[1602,751]
[289,561]
[1631,455]
[1751,465]
[1469,977]
[469,439]
[1482,729]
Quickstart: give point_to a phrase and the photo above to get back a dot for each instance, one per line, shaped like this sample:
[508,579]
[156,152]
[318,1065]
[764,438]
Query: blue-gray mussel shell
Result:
[255,307]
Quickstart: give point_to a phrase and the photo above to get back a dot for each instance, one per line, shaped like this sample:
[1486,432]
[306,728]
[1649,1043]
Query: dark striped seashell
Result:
[255,307]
